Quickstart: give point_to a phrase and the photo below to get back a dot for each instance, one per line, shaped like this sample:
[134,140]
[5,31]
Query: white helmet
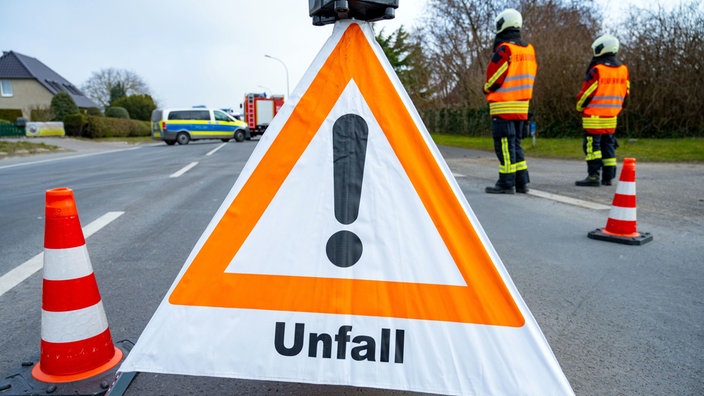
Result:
[509,18]
[604,45]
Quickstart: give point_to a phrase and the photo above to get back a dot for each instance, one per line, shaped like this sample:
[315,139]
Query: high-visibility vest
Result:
[610,92]
[516,91]
[600,114]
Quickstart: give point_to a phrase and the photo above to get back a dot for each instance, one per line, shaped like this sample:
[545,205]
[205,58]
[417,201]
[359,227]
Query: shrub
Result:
[139,107]
[74,124]
[94,111]
[96,128]
[62,104]
[142,128]
[462,121]
[10,114]
[117,112]
[99,127]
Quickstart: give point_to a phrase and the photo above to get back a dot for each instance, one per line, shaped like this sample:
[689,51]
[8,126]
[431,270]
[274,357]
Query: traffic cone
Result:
[621,224]
[75,338]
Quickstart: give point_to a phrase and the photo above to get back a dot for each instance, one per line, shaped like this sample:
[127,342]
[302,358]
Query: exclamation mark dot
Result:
[349,143]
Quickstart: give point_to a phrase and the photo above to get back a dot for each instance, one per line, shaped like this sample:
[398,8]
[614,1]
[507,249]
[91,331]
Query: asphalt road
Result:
[621,320]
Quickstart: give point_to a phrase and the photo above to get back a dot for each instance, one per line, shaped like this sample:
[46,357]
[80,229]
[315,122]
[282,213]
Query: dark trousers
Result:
[513,169]
[600,151]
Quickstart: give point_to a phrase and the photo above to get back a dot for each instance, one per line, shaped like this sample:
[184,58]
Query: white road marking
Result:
[184,169]
[67,157]
[568,200]
[18,274]
[458,174]
[211,152]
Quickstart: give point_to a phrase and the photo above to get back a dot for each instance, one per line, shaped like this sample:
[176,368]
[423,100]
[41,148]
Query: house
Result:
[26,83]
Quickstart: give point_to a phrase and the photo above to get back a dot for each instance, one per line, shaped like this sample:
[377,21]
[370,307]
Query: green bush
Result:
[139,107]
[94,111]
[97,127]
[477,122]
[462,121]
[117,112]
[100,127]
[5,121]
[10,114]
[74,124]
[62,104]
[142,128]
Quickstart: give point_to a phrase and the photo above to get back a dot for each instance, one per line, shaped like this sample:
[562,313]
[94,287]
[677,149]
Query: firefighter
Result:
[509,89]
[600,101]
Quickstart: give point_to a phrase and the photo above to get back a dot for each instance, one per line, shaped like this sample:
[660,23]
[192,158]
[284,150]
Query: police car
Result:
[183,125]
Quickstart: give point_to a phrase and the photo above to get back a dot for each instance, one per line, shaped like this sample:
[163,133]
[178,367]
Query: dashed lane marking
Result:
[17,275]
[184,169]
[213,151]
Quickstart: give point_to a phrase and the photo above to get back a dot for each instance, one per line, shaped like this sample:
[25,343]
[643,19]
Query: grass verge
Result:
[650,150]
[22,147]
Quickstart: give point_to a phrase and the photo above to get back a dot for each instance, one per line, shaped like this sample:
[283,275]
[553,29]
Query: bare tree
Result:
[664,51]
[100,85]
[458,36]
[562,33]
[458,39]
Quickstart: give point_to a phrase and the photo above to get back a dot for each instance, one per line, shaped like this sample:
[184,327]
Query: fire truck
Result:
[259,109]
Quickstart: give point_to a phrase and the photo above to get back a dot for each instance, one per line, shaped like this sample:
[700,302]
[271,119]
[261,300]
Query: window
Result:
[190,115]
[220,116]
[202,115]
[5,88]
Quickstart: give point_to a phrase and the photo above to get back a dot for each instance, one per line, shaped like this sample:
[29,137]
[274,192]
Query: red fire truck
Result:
[259,109]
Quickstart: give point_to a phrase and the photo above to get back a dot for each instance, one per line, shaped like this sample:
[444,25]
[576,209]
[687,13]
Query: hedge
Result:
[463,121]
[98,127]
[477,122]
[116,112]
[74,124]
[10,114]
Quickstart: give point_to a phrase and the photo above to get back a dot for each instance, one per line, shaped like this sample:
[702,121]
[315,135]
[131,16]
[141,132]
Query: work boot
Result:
[590,181]
[499,190]
[606,182]
[522,189]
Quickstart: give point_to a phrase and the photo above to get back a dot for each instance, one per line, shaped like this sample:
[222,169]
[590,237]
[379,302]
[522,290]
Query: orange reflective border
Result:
[485,299]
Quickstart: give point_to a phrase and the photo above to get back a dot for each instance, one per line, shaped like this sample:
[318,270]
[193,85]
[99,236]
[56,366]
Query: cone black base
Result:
[641,239]
[21,382]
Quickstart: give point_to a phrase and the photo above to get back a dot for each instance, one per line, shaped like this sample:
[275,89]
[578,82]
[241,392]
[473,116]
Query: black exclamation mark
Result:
[349,146]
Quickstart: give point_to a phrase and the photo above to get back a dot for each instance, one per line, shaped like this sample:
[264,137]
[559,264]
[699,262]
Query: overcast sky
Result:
[204,52]
[189,52]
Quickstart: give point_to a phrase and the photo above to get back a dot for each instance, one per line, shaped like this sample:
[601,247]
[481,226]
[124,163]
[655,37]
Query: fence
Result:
[11,130]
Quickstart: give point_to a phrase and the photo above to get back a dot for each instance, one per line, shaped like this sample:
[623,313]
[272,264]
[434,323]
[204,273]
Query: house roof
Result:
[14,65]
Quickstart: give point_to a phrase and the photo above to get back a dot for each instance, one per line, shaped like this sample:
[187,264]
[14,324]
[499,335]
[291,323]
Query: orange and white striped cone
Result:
[621,225]
[76,342]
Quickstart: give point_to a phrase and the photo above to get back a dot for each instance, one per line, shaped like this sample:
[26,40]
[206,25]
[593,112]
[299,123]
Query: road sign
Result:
[347,254]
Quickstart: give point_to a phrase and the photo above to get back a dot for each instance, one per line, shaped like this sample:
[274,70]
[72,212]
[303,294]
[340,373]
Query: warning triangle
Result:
[347,254]
[212,280]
